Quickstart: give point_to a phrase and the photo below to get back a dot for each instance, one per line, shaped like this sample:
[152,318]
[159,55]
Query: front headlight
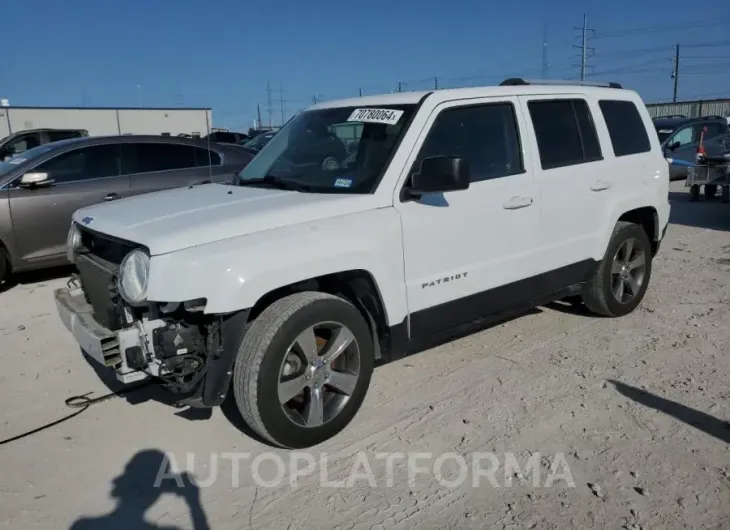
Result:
[73,242]
[133,277]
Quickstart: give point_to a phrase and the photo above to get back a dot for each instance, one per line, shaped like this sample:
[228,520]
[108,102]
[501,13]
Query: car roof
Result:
[668,123]
[412,98]
[140,138]
[676,121]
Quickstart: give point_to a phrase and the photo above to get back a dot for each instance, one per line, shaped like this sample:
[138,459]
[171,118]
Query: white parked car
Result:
[289,287]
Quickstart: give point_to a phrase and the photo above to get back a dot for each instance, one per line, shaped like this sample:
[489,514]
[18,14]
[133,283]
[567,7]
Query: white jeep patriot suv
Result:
[364,230]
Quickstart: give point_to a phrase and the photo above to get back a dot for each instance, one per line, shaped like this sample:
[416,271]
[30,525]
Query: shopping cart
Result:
[710,173]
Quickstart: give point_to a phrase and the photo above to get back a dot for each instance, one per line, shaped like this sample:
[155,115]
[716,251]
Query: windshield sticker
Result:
[16,161]
[343,183]
[387,116]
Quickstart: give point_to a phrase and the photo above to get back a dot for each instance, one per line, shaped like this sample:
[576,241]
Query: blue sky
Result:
[221,53]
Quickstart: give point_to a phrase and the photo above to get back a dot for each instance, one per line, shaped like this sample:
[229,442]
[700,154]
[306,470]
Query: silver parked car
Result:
[42,187]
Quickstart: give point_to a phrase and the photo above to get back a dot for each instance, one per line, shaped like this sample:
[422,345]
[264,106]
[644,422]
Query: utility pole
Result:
[281,101]
[435,83]
[675,73]
[583,48]
[314,99]
[400,86]
[545,52]
[360,91]
[268,97]
[258,112]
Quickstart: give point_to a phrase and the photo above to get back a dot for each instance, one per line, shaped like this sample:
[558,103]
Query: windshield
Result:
[11,163]
[336,150]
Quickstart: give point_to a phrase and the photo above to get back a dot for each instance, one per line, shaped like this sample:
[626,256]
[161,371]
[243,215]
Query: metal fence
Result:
[691,109]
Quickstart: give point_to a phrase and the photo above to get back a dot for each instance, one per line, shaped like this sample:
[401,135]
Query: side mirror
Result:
[673,146]
[35,180]
[439,174]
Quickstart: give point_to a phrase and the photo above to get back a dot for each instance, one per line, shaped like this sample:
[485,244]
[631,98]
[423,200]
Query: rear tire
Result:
[710,191]
[289,383]
[619,284]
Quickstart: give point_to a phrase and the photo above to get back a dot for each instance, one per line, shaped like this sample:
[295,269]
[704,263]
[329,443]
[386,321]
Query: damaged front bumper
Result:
[131,352]
[115,350]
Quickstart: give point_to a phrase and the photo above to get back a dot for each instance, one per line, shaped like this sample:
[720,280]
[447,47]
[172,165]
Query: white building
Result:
[103,121]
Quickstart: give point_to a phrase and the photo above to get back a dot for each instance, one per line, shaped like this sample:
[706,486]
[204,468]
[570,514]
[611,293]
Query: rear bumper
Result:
[106,347]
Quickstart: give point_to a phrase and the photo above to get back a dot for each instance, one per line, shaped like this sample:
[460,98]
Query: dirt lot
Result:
[637,406]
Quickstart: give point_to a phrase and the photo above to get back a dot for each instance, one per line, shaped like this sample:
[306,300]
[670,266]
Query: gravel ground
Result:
[635,406]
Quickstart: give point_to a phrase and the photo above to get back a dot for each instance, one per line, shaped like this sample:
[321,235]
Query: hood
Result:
[176,219]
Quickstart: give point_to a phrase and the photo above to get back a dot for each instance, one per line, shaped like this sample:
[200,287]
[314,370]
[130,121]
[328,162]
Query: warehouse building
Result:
[104,121]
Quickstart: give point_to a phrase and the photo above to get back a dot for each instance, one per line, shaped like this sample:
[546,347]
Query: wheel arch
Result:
[644,215]
[358,286]
[648,218]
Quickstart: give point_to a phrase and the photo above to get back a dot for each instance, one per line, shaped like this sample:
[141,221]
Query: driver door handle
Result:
[600,185]
[515,203]
[112,197]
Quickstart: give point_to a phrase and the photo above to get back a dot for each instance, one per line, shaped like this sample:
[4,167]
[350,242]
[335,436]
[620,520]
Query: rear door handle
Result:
[600,185]
[515,203]
[112,197]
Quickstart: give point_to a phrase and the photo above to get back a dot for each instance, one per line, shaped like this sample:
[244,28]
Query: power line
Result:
[659,29]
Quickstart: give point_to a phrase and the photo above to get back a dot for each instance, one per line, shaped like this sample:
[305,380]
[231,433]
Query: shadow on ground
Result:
[44,275]
[710,214]
[699,420]
[146,477]
[155,392]
[144,393]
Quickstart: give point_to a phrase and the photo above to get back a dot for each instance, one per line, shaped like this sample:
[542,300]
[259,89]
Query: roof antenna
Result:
[207,137]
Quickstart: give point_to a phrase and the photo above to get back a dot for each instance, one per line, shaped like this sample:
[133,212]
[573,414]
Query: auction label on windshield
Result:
[387,116]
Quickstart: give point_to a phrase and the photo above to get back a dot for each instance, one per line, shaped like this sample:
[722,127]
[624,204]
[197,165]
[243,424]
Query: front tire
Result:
[710,191]
[619,284]
[303,369]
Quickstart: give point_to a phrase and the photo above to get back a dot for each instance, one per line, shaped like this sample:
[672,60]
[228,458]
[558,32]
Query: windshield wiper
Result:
[276,182]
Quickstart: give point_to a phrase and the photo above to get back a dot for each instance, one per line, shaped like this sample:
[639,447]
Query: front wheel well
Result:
[648,219]
[356,286]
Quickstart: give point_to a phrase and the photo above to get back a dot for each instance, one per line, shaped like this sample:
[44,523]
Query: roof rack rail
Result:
[518,81]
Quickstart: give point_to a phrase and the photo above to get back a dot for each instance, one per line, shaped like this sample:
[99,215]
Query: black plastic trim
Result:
[431,325]
[219,368]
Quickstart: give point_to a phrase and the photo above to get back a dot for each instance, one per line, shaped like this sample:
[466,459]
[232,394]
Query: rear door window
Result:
[565,132]
[715,129]
[205,157]
[625,127]
[151,157]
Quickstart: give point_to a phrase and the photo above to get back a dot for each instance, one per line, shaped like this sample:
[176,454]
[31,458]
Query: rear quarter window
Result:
[625,127]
